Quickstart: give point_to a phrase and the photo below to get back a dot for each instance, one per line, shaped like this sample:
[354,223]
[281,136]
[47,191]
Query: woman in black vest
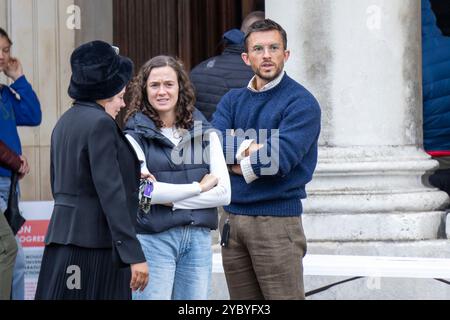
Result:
[179,147]
[94,179]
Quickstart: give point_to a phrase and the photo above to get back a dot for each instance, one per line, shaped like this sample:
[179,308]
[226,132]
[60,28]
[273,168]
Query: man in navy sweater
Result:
[14,112]
[270,133]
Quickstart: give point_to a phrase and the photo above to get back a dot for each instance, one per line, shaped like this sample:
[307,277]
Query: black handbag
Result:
[12,213]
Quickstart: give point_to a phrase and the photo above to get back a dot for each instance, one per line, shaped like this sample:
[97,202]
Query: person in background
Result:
[218,75]
[91,251]
[436,96]
[8,159]
[14,112]
[177,147]
[263,242]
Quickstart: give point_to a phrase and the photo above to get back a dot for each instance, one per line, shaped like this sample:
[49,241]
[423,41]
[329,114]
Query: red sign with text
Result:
[32,233]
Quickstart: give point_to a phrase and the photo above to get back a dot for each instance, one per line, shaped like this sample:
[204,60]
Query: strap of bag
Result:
[12,199]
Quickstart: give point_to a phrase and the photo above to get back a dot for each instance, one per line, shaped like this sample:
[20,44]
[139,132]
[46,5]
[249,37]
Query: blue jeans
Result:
[18,288]
[180,264]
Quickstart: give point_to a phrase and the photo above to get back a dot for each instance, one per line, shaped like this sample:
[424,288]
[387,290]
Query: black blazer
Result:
[94,179]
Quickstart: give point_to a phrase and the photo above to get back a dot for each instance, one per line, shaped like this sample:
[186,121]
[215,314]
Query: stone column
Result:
[362,60]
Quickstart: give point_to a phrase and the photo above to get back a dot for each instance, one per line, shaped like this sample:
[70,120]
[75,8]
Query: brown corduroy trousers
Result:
[263,259]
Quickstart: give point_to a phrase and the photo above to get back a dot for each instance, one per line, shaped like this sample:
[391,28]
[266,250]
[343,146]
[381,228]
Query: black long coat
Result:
[94,180]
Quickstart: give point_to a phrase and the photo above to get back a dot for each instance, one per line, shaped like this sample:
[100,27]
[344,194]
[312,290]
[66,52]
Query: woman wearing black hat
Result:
[94,179]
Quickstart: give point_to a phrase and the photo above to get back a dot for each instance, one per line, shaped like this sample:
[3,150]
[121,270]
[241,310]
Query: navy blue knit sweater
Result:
[287,121]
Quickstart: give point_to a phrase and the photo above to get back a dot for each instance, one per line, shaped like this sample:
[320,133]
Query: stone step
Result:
[367,288]
[423,249]
[381,288]
[375,227]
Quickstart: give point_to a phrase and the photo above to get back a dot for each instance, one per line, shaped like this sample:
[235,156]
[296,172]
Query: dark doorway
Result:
[189,29]
[442,11]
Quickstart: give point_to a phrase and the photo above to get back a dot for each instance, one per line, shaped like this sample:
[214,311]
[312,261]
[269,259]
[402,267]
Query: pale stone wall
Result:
[43,42]
[96,21]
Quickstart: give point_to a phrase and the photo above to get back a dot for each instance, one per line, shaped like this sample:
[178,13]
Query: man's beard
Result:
[271,78]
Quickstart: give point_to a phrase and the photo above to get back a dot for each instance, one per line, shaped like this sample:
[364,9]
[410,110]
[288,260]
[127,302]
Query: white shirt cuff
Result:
[244,146]
[196,184]
[247,171]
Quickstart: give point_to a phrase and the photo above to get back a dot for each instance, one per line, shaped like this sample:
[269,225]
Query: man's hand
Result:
[139,276]
[14,69]
[236,169]
[254,147]
[24,167]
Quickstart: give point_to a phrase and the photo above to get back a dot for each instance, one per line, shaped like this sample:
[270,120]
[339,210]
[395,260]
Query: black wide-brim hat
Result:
[98,72]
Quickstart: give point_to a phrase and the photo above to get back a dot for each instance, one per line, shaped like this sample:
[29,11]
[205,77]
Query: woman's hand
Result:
[208,182]
[148,176]
[139,276]
[24,167]
[14,69]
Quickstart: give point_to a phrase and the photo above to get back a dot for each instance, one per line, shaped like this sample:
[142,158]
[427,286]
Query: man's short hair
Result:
[251,18]
[266,25]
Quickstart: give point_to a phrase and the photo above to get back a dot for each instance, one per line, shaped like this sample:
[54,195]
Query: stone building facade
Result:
[361,59]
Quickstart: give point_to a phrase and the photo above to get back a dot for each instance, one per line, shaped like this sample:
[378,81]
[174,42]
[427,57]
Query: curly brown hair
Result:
[139,102]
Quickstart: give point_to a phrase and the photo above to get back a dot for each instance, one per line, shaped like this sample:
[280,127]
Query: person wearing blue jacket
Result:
[436,96]
[14,112]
